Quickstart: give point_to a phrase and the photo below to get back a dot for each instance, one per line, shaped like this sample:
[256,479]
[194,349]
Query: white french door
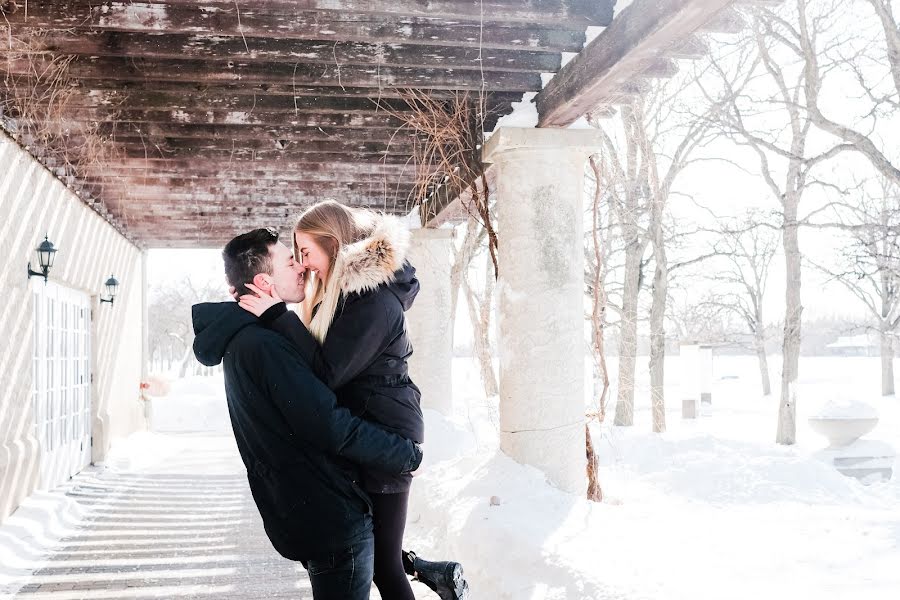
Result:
[61,382]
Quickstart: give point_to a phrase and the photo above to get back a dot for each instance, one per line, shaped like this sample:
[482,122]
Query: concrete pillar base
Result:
[547,449]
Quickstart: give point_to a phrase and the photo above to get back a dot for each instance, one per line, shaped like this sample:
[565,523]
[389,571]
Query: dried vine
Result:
[449,136]
[36,95]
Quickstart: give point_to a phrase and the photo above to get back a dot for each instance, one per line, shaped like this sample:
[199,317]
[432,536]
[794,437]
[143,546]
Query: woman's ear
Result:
[263,282]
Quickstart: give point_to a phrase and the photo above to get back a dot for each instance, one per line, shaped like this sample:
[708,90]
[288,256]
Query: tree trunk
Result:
[887,363]
[787,410]
[628,332]
[480,319]
[763,367]
[185,362]
[487,361]
[658,337]
[462,257]
[594,491]
[600,299]
[759,338]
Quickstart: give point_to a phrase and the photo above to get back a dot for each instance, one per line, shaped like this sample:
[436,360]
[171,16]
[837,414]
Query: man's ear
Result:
[262,281]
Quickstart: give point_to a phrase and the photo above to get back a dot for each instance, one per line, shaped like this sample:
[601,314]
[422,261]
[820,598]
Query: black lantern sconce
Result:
[112,286]
[46,255]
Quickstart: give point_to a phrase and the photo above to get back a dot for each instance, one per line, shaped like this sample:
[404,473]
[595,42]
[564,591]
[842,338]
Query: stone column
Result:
[429,321]
[540,202]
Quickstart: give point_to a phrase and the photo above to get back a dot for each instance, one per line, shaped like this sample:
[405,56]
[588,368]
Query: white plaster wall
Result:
[34,203]
[429,322]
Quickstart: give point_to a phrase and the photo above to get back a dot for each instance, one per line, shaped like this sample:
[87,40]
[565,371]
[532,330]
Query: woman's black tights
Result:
[389,517]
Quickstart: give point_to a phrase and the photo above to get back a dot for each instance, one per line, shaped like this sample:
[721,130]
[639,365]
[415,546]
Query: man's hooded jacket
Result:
[298,446]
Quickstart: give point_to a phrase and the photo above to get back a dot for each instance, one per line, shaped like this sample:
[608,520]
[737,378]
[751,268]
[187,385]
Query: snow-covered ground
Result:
[711,509]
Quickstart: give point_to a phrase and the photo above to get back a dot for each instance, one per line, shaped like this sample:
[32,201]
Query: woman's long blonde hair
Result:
[333,226]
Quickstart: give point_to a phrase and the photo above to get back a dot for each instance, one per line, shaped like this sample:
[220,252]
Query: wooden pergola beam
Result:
[336,154]
[188,99]
[200,72]
[227,117]
[269,192]
[545,31]
[233,211]
[254,177]
[261,160]
[633,42]
[128,131]
[580,13]
[222,50]
[285,147]
[112,91]
[574,13]
[215,168]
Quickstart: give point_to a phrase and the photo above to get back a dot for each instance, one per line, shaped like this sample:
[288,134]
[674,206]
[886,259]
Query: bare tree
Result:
[597,268]
[480,306]
[746,249]
[623,178]
[765,82]
[470,240]
[702,320]
[871,54]
[869,263]
[651,142]
[470,245]
[749,264]
[171,333]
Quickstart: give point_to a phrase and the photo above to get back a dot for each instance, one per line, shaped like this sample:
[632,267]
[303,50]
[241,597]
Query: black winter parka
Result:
[300,449]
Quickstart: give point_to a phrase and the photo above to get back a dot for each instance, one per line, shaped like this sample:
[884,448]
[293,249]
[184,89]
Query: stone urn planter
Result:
[842,431]
[843,424]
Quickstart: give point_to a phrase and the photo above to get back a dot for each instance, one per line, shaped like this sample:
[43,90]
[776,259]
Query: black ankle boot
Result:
[443,577]
[408,560]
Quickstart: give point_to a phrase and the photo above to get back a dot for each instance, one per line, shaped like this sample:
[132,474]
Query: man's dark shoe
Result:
[444,577]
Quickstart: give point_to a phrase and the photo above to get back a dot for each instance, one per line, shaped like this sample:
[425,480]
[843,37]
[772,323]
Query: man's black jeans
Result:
[345,574]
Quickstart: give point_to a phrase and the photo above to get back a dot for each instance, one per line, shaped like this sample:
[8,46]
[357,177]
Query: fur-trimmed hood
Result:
[363,266]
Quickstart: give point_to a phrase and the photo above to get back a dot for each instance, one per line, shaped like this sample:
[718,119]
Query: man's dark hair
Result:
[246,255]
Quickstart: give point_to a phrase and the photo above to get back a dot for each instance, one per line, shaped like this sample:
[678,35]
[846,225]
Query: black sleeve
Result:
[312,413]
[272,313]
[359,334]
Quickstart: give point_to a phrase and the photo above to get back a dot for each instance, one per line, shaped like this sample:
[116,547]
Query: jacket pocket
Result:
[397,410]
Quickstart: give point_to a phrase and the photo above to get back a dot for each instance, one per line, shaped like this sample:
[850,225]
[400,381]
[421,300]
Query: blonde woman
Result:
[352,332]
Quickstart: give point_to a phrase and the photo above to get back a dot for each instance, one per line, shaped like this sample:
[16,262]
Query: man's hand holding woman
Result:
[258,302]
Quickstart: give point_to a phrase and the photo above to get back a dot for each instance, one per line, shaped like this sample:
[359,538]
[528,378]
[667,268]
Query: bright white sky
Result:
[171,266]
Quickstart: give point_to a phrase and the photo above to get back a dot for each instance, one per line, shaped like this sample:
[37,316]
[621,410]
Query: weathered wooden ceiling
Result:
[220,116]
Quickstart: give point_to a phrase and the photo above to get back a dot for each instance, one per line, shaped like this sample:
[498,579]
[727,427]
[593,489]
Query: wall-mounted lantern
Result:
[46,255]
[112,286]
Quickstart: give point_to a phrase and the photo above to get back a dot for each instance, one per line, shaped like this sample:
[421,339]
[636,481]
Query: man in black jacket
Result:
[299,448]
